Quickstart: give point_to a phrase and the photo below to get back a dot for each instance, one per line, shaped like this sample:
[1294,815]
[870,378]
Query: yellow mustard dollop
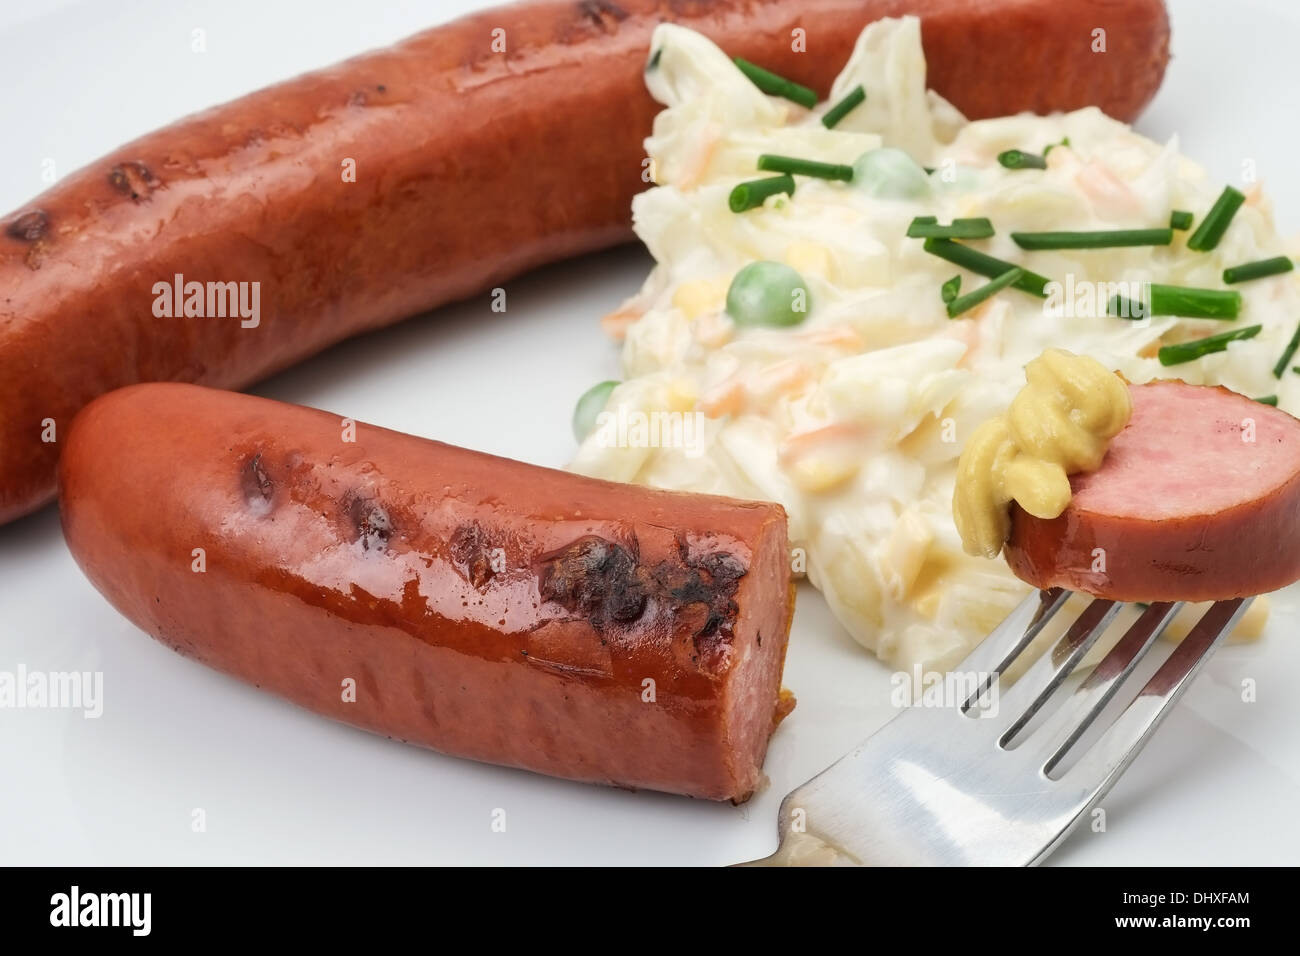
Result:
[1059,424]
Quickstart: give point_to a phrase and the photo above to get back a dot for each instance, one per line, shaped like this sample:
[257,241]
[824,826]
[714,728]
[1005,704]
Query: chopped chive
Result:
[655,57]
[1099,239]
[1267,400]
[1190,351]
[927,227]
[964,303]
[769,162]
[1182,301]
[851,101]
[1180,219]
[1194,303]
[775,85]
[1051,146]
[1215,223]
[1019,159]
[1257,270]
[985,265]
[1288,353]
[948,291]
[751,194]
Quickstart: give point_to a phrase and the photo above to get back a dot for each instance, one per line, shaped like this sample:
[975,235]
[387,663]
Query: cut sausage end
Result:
[481,607]
[752,699]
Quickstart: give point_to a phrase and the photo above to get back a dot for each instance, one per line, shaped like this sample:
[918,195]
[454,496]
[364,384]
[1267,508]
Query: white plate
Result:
[1219,784]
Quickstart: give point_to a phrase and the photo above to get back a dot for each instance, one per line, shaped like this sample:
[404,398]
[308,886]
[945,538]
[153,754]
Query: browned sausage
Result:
[1198,499]
[471,166]
[484,608]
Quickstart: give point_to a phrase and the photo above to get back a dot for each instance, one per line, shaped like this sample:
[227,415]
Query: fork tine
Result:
[1122,741]
[1014,634]
[1077,713]
[1023,699]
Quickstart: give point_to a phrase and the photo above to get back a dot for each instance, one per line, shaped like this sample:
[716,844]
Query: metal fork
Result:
[967,786]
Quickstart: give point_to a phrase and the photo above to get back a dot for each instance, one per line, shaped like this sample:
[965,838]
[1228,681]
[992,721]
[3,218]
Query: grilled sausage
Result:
[470,165]
[481,607]
[1198,499]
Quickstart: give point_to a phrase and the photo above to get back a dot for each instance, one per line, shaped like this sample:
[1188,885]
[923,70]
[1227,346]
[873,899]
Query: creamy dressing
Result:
[853,419]
[805,849]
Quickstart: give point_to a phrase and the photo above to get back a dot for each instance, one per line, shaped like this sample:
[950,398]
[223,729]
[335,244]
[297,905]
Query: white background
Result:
[1220,783]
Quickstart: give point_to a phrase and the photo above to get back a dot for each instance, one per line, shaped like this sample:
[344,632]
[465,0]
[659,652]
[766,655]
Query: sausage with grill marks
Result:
[481,607]
[471,166]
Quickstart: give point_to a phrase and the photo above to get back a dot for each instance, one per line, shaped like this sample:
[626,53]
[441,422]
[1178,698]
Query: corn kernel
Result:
[1251,625]
[680,396]
[697,297]
[809,258]
[814,474]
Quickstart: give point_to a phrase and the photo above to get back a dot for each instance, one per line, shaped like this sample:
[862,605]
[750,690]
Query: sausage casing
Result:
[358,195]
[478,606]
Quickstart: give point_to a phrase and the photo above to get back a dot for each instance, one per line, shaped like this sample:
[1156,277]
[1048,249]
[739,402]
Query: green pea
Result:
[767,293]
[589,407]
[888,173]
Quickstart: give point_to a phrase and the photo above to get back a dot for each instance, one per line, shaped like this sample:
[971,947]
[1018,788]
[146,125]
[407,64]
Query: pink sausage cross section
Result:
[1197,499]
